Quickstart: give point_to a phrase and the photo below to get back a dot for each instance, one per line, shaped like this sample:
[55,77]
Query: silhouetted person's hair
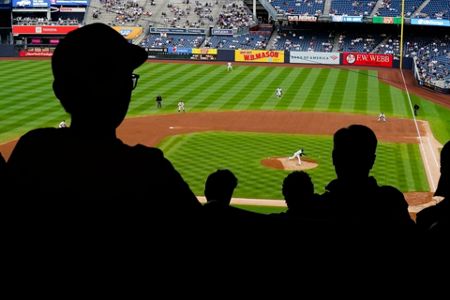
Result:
[357,203]
[354,151]
[443,188]
[220,186]
[436,219]
[297,188]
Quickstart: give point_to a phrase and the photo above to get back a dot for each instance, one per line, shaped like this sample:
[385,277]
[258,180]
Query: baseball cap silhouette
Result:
[97,46]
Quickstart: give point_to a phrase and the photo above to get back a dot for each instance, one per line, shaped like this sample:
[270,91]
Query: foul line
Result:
[430,176]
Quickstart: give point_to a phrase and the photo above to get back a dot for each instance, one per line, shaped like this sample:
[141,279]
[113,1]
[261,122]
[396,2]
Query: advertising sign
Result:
[130,33]
[430,22]
[28,29]
[387,20]
[31,3]
[178,50]
[367,59]
[70,2]
[325,58]
[222,32]
[178,30]
[211,51]
[299,18]
[259,56]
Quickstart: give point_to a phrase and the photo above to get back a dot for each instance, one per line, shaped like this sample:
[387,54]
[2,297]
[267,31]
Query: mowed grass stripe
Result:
[313,95]
[201,89]
[223,85]
[307,79]
[316,88]
[170,86]
[337,95]
[360,104]
[253,98]
[399,102]
[290,88]
[295,88]
[247,85]
[326,95]
[270,100]
[231,95]
[386,100]
[373,98]
[349,95]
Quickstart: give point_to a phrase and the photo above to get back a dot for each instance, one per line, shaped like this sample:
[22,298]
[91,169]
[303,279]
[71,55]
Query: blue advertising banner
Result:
[222,32]
[31,3]
[430,22]
[178,30]
[70,2]
[5,4]
[350,19]
[176,50]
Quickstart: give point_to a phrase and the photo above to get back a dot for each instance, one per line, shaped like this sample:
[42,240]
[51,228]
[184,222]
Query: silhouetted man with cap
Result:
[358,204]
[85,172]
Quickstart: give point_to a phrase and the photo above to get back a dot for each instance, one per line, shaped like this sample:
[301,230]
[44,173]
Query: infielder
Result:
[298,155]
[382,117]
[181,106]
[62,124]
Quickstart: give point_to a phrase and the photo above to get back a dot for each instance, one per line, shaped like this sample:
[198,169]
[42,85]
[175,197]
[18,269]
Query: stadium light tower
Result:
[254,9]
[401,33]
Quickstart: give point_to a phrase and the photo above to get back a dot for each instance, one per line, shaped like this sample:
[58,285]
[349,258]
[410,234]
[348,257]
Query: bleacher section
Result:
[352,8]
[299,7]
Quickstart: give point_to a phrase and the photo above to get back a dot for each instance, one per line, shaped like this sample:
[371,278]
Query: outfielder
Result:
[229,66]
[298,155]
[279,92]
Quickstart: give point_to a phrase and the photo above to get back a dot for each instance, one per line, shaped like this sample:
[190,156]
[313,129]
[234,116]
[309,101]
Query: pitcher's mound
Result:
[284,163]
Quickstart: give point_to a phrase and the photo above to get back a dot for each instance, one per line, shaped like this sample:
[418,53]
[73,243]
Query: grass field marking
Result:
[424,157]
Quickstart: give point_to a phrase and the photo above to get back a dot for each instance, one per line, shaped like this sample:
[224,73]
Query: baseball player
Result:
[279,92]
[382,117]
[158,101]
[298,155]
[229,66]
[62,124]
[181,106]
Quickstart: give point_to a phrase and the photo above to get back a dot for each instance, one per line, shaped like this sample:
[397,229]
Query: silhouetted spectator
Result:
[219,188]
[2,172]
[436,219]
[85,172]
[358,204]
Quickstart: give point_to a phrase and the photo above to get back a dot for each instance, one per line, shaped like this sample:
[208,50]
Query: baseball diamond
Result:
[235,122]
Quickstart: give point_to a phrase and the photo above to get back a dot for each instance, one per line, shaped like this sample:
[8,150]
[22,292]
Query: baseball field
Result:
[234,120]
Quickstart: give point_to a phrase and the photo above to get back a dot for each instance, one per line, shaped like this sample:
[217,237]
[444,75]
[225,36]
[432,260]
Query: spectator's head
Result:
[354,152]
[220,186]
[297,189]
[443,188]
[92,68]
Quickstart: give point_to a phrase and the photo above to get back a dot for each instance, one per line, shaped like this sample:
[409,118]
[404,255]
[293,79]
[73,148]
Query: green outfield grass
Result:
[199,154]
[27,100]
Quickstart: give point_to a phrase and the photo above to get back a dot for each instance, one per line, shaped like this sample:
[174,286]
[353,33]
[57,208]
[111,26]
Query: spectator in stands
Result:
[436,219]
[358,205]
[219,188]
[85,172]
[303,204]
[2,171]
